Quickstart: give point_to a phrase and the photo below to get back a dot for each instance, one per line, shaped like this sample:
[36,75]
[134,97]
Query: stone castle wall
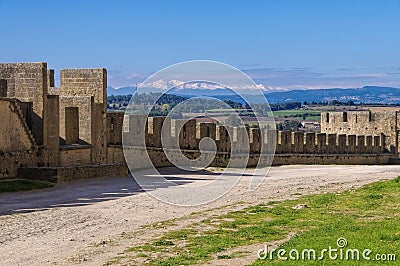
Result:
[365,123]
[114,128]
[15,134]
[3,88]
[27,82]
[60,127]
[85,90]
[11,161]
[17,144]
[72,173]
[286,142]
[291,147]
[54,132]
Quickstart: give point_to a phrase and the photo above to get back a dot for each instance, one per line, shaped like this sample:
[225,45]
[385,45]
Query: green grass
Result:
[15,185]
[367,218]
[313,118]
[295,112]
[309,115]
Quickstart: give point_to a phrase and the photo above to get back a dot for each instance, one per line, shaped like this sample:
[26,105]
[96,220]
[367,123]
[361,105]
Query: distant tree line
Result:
[285,106]
[147,98]
[162,104]
[291,125]
[118,102]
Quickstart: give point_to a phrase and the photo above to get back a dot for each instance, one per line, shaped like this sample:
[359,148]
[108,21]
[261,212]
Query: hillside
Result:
[367,94]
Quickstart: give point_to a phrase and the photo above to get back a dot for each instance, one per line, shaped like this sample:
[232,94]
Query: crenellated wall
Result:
[82,109]
[55,127]
[365,123]
[191,133]
[290,147]
[57,131]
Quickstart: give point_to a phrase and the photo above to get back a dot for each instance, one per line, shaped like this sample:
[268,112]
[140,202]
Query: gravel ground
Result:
[90,222]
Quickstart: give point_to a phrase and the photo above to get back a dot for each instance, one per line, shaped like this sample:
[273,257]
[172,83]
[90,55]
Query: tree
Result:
[291,125]
[166,106]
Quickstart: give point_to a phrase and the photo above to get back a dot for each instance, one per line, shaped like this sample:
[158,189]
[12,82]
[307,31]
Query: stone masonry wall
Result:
[291,147]
[72,173]
[84,82]
[73,156]
[27,82]
[3,88]
[33,132]
[114,125]
[156,157]
[365,123]
[86,90]
[98,134]
[51,130]
[84,105]
[286,141]
[14,133]
[11,161]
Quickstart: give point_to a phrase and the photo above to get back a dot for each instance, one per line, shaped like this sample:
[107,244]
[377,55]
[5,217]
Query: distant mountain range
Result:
[367,94]
[120,91]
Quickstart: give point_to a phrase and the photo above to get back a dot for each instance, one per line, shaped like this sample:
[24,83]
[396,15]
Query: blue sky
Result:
[279,43]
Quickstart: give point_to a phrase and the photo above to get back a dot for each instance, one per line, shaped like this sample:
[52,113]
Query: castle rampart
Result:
[291,147]
[287,141]
[47,126]
[62,133]
[365,123]
[27,82]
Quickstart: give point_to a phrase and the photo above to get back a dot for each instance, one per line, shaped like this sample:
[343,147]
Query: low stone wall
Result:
[140,158]
[115,154]
[156,156]
[11,161]
[75,155]
[67,174]
[48,174]
[348,159]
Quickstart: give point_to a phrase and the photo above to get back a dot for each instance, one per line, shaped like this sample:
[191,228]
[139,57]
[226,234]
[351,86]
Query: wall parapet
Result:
[365,123]
[287,142]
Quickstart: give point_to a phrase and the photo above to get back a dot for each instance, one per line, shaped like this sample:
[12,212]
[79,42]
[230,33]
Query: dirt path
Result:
[90,222]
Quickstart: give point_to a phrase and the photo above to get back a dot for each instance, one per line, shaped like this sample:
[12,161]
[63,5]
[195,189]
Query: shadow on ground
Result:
[86,192]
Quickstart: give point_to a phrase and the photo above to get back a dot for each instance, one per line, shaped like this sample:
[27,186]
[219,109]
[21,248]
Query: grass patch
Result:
[366,218]
[296,112]
[15,185]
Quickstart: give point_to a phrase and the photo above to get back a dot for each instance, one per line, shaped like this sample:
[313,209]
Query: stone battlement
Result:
[286,142]
[365,123]
[67,128]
